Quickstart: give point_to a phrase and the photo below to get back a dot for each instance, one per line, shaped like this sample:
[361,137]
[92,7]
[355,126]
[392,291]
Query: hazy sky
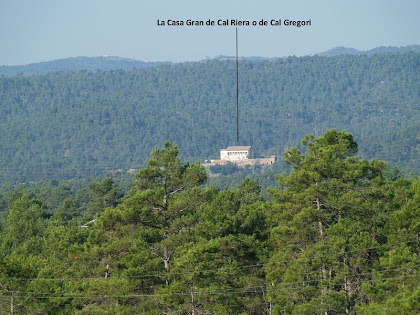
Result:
[42,30]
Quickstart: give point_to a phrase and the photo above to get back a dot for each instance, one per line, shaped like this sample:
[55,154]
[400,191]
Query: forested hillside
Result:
[335,236]
[77,64]
[67,125]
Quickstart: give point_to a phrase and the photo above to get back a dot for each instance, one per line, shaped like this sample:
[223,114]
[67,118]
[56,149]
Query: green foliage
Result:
[24,224]
[227,169]
[331,205]
[104,194]
[337,235]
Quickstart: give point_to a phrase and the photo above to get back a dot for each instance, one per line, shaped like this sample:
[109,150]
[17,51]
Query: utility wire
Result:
[262,288]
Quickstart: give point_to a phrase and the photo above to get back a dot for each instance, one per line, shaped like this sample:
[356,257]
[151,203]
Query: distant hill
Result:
[75,124]
[337,51]
[75,64]
[400,147]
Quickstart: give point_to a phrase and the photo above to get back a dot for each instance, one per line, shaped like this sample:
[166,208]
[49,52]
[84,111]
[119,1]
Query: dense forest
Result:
[66,125]
[337,234]
[106,209]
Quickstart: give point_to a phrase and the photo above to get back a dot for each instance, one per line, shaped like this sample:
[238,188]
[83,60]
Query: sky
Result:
[43,30]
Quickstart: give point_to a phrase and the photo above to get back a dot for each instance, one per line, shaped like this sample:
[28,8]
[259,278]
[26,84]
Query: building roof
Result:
[237,148]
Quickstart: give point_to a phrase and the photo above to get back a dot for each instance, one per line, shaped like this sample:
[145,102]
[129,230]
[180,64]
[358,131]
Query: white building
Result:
[240,155]
[235,153]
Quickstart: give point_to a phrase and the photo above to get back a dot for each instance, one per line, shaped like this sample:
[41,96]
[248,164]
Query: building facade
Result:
[240,155]
[235,153]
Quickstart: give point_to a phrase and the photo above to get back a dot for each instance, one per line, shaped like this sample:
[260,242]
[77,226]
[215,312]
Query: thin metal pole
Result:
[237,89]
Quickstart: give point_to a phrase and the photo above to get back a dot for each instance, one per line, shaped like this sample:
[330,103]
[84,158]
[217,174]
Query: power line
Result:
[261,288]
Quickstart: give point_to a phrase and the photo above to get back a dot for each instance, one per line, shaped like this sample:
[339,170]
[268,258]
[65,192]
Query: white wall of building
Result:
[234,155]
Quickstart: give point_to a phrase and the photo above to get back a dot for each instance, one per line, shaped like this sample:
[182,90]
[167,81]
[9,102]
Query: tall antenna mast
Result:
[237,89]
